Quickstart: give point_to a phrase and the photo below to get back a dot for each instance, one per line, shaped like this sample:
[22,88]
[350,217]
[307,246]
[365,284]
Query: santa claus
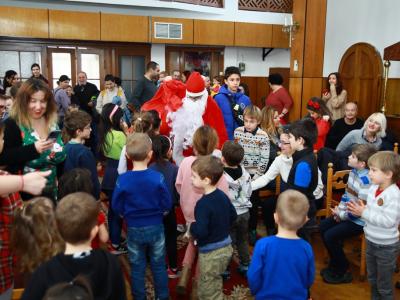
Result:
[182,114]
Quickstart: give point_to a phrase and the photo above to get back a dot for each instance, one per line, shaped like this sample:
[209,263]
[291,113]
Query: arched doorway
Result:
[361,70]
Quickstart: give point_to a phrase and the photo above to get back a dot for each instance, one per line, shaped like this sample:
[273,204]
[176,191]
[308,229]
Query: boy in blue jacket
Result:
[232,101]
[141,196]
[282,266]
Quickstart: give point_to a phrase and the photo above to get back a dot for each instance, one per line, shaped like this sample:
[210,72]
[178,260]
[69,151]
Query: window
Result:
[19,61]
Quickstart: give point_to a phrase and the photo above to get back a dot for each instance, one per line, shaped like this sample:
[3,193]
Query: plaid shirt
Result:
[7,259]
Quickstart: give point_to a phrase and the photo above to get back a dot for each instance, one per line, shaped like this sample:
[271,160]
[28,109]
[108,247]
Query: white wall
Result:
[158,55]
[252,57]
[370,21]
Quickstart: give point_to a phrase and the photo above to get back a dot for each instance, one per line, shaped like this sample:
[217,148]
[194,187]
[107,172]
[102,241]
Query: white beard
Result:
[184,122]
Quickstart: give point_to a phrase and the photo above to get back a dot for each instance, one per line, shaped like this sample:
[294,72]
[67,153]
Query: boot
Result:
[183,280]
[193,295]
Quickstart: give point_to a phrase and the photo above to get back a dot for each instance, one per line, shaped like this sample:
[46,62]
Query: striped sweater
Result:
[256,150]
[382,215]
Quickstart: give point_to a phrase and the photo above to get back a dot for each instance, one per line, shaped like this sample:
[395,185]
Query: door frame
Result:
[50,51]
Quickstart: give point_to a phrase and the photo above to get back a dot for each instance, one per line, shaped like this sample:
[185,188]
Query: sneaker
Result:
[123,242]
[173,273]
[337,279]
[242,270]
[325,271]
[226,275]
[252,237]
[118,250]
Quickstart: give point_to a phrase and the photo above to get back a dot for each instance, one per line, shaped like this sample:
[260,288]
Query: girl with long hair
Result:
[322,116]
[335,96]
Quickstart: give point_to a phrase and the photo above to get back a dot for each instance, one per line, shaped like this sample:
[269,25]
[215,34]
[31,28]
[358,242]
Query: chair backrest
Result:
[17,294]
[335,181]
[396,148]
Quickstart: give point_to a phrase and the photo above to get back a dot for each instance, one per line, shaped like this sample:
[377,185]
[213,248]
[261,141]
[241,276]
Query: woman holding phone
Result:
[335,96]
[32,140]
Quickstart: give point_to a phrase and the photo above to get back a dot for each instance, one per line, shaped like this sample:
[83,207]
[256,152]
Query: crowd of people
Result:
[186,154]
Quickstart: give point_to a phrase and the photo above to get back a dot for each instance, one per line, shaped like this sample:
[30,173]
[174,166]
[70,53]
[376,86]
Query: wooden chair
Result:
[267,193]
[336,181]
[17,294]
[396,148]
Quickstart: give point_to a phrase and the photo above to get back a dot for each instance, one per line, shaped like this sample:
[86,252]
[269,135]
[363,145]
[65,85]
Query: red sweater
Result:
[323,129]
[279,99]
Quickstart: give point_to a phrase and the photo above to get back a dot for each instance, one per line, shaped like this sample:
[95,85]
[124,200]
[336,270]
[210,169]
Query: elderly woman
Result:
[373,131]
[31,137]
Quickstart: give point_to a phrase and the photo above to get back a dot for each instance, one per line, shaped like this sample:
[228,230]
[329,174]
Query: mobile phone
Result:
[54,135]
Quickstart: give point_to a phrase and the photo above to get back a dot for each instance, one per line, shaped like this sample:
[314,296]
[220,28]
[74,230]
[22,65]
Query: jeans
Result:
[381,262]
[148,241]
[114,221]
[239,235]
[333,234]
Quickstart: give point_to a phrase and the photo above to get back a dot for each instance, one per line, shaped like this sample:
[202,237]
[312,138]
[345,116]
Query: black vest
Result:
[305,155]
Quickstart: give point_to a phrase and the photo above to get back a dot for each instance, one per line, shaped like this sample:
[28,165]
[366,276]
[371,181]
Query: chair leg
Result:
[363,259]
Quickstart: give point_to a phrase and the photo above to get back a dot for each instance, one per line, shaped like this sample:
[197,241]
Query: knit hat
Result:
[195,85]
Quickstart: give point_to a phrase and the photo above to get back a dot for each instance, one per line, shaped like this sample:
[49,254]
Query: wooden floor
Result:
[357,290]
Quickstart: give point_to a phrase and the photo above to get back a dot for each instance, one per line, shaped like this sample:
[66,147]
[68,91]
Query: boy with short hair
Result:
[231,100]
[214,214]
[282,266]
[239,182]
[142,197]
[342,225]
[255,143]
[76,216]
[77,129]
[382,217]
[303,175]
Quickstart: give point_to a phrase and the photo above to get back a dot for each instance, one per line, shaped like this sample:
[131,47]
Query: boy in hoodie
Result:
[76,216]
[232,101]
[239,182]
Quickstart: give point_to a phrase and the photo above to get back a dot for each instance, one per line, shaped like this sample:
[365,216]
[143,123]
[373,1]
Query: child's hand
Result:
[356,207]
[325,118]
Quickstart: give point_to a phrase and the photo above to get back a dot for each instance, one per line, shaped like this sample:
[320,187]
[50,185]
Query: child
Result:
[322,116]
[79,180]
[239,182]
[271,125]
[381,215]
[216,86]
[281,166]
[282,266]
[231,101]
[79,288]
[205,141]
[343,225]
[162,153]
[141,196]
[112,140]
[303,175]
[255,143]
[214,215]
[76,216]
[77,130]
[107,95]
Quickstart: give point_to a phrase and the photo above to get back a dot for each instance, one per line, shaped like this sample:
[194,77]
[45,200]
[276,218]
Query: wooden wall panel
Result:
[258,88]
[187,30]
[311,88]
[297,49]
[74,25]
[24,22]
[315,38]
[253,35]
[208,32]
[280,39]
[393,97]
[295,89]
[122,28]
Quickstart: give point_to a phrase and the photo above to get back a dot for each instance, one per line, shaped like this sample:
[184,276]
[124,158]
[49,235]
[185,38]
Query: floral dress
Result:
[48,160]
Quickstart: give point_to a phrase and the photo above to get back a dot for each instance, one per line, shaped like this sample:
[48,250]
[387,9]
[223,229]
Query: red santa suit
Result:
[182,112]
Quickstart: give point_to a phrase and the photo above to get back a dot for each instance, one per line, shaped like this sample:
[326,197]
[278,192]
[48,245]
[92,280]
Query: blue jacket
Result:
[222,99]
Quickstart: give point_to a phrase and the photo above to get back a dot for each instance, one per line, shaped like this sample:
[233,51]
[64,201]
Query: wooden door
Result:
[361,70]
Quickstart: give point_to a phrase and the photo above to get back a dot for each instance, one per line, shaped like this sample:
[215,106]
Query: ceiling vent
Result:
[172,31]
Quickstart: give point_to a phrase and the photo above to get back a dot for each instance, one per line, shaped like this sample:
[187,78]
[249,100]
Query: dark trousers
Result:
[170,238]
[255,201]
[333,235]
[268,207]
[381,262]
[114,221]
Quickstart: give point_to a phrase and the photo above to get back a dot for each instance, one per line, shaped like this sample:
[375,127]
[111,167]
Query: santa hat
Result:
[195,85]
